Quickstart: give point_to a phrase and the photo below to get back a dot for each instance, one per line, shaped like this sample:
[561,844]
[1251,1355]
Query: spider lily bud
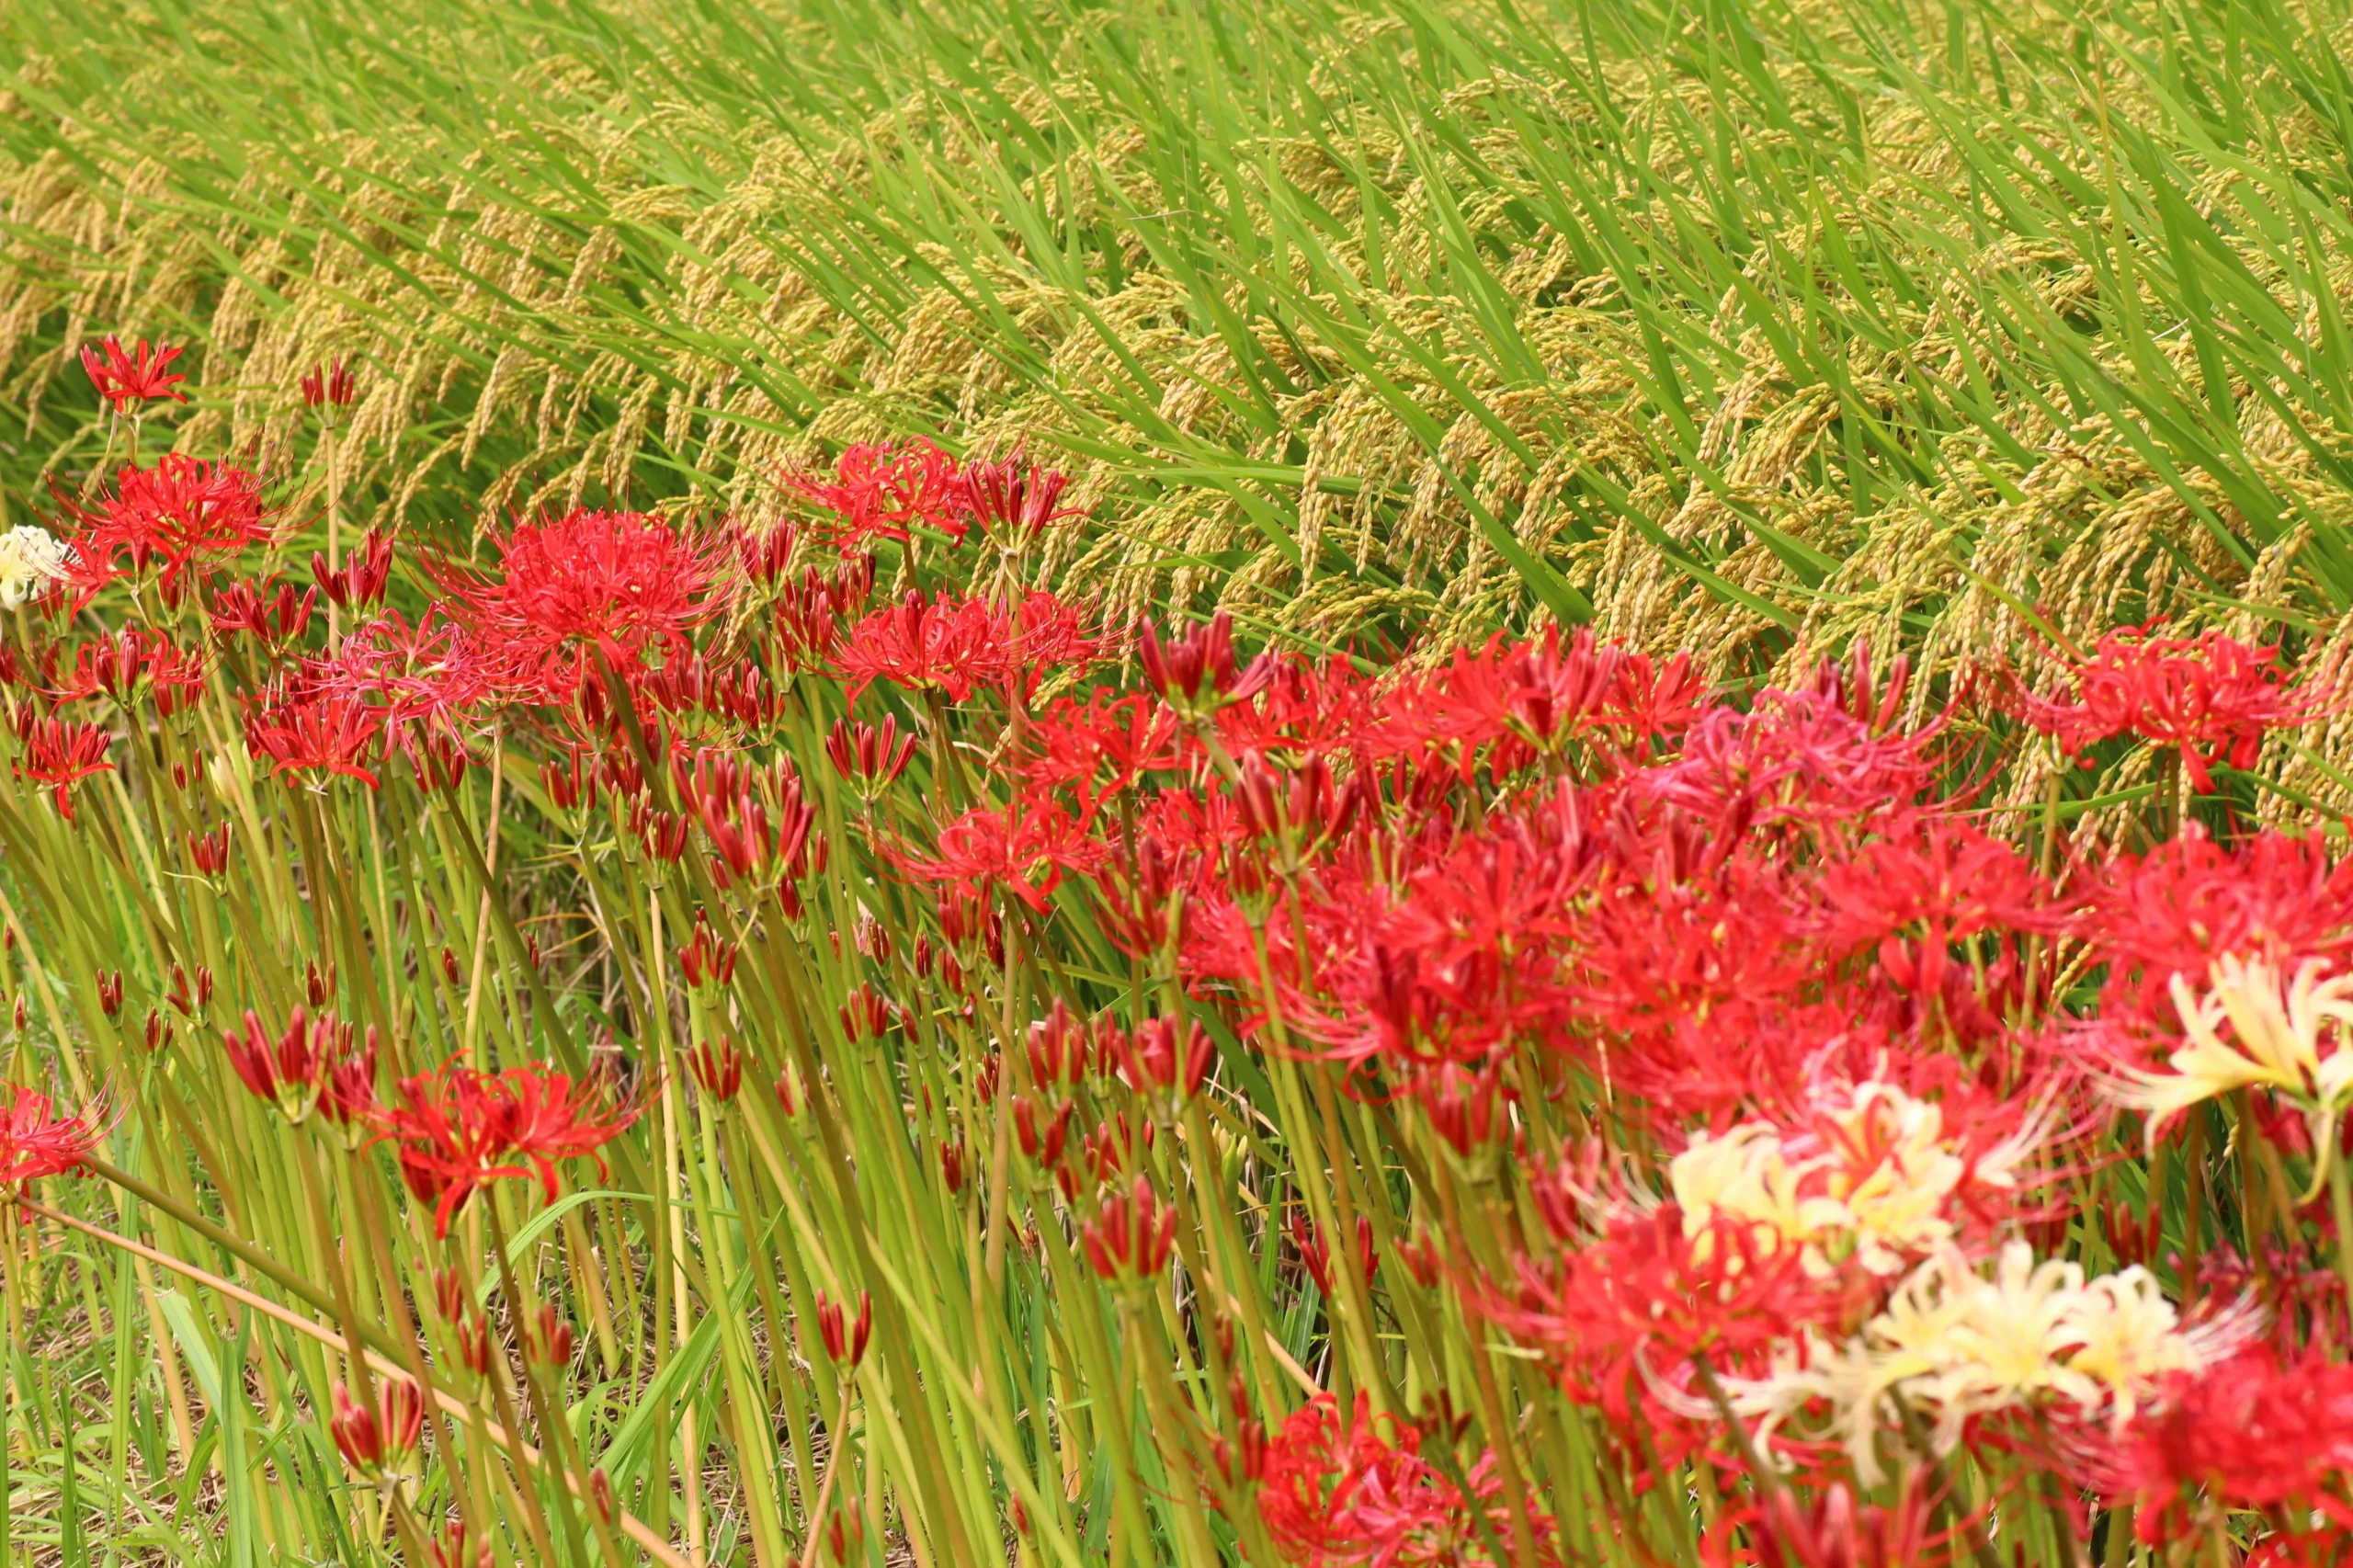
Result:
[188,1001]
[845,1338]
[360,580]
[707,959]
[331,385]
[1196,674]
[1157,1060]
[1058,1047]
[1131,1235]
[871,759]
[373,1440]
[553,1343]
[289,1070]
[762,552]
[450,1551]
[844,1537]
[864,1015]
[718,1069]
[1042,1144]
[1013,501]
[208,852]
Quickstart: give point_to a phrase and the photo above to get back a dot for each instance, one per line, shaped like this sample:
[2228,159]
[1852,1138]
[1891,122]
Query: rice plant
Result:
[1745,328]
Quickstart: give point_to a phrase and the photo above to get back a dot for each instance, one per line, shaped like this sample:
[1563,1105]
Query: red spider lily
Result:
[845,1338]
[325,733]
[613,585]
[119,665]
[884,492]
[364,575]
[1469,952]
[1798,759]
[275,620]
[1337,1494]
[2260,1431]
[123,379]
[1196,673]
[330,385]
[182,515]
[58,752]
[1931,874]
[1624,1314]
[459,1128]
[2190,901]
[1930,882]
[38,1140]
[1544,694]
[372,1441]
[1132,1235]
[1024,850]
[955,645]
[1101,746]
[1835,1531]
[429,679]
[1302,709]
[2211,698]
[1014,501]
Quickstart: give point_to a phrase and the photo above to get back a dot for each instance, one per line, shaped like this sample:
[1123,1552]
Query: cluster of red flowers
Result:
[182,518]
[2211,698]
[39,1140]
[1794,1055]
[1336,1493]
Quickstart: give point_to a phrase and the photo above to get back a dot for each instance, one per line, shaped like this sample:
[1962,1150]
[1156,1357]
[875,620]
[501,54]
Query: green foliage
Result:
[1746,327]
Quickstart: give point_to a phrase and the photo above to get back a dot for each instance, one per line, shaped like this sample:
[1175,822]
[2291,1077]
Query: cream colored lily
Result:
[2276,1039]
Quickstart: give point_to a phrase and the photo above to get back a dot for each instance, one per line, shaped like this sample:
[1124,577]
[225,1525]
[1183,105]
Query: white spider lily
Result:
[1872,1179]
[31,559]
[2290,1039]
[1955,1344]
